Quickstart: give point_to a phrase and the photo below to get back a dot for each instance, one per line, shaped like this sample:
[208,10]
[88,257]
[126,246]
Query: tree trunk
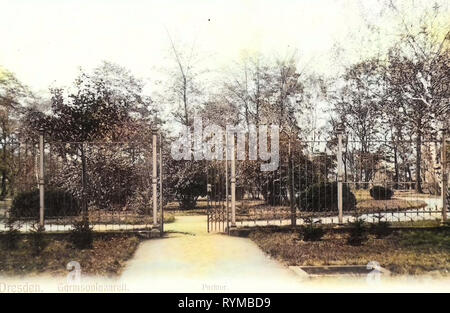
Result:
[83,180]
[408,175]
[419,158]
[3,191]
[291,188]
[396,178]
[4,171]
[185,102]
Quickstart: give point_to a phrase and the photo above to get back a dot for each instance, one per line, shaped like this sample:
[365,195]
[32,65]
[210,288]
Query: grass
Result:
[245,212]
[112,218]
[418,224]
[402,252]
[100,216]
[426,240]
[364,194]
[189,212]
[106,258]
[370,206]
[261,211]
[105,217]
[201,208]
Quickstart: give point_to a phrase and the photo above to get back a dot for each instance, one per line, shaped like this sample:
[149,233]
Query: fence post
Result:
[161,184]
[340,132]
[444,175]
[154,178]
[233,183]
[291,185]
[226,184]
[41,178]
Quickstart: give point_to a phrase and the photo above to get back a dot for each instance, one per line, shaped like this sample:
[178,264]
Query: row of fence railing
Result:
[327,187]
[57,183]
[120,185]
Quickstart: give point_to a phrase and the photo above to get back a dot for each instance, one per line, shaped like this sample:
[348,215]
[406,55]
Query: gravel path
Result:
[196,261]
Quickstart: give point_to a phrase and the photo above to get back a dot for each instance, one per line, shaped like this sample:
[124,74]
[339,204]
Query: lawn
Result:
[106,258]
[201,208]
[246,211]
[392,205]
[116,218]
[402,252]
[99,217]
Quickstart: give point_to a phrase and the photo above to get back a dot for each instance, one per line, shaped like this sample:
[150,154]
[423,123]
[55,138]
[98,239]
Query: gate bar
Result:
[340,131]
[444,175]
[154,178]
[161,184]
[227,211]
[233,184]
[41,178]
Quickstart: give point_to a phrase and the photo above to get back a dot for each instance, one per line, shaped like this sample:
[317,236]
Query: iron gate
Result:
[218,202]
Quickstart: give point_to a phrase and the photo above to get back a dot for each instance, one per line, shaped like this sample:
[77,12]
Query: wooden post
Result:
[41,179]
[291,186]
[340,176]
[208,198]
[233,184]
[444,175]
[154,178]
[227,211]
[161,184]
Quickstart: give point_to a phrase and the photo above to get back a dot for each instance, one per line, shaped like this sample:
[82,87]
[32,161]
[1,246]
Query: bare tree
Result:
[184,89]
[357,105]
[417,75]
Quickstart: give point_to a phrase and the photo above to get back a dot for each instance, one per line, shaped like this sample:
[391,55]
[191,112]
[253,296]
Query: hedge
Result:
[57,203]
[322,197]
[381,193]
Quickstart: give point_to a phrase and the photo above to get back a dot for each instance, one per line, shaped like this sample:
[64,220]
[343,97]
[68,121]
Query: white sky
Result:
[46,41]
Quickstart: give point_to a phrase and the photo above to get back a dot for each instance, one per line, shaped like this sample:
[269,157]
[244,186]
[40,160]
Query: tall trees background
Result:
[385,102]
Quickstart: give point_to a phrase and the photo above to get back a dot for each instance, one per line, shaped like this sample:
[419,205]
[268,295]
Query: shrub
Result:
[169,218]
[82,235]
[322,197]
[187,201]
[312,231]
[187,181]
[112,179]
[381,193]
[38,242]
[358,232]
[141,201]
[57,203]
[11,235]
[381,229]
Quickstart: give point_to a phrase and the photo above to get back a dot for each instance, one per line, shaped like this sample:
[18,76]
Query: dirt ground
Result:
[106,258]
[406,252]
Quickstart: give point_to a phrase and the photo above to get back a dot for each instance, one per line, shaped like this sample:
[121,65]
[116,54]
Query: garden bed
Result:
[261,212]
[393,205]
[402,252]
[111,218]
[106,258]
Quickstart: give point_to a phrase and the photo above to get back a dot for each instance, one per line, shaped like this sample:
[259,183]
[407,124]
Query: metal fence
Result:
[20,166]
[116,185]
[335,182]
[119,185]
